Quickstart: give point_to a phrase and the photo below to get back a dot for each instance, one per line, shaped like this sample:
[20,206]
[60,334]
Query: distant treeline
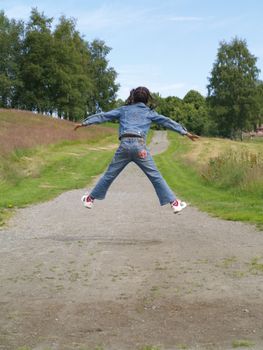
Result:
[53,71]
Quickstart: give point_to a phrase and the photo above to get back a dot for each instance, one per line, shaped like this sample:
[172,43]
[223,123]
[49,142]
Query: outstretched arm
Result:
[172,125]
[99,118]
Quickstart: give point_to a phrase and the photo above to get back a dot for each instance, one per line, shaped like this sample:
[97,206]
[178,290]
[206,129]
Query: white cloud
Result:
[110,16]
[149,75]
[173,89]
[179,89]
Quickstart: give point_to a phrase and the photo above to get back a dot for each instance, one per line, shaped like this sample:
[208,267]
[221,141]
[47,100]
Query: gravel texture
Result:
[128,273]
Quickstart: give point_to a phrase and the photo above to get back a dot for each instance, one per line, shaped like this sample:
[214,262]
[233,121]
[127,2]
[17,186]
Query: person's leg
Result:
[118,163]
[145,161]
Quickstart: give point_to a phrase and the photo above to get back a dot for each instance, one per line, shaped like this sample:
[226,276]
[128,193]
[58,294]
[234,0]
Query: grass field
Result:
[23,129]
[186,167]
[41,157]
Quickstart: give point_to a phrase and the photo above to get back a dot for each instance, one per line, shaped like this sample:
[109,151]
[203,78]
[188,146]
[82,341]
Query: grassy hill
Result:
[23,129]
[219,176]
[41,157]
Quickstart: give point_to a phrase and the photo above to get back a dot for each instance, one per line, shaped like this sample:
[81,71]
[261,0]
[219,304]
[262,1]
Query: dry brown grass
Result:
[209,148]
[23,129]
[227,163]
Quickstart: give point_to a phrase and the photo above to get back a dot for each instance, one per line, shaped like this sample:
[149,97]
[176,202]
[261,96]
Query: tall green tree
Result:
[11,36]
[53,71]
[37,63]
[103,95]
[73,81]
[232,88]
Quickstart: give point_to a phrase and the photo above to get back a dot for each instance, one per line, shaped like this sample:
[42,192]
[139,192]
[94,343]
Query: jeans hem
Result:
[167,202]
[99,198]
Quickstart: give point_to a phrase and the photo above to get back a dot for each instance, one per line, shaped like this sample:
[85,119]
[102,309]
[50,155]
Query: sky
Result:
[168,46]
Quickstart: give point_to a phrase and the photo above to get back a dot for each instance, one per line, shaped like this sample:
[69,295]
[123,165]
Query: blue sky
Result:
[169,46]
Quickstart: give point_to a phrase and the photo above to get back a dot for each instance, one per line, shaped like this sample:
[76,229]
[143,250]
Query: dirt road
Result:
[127,274]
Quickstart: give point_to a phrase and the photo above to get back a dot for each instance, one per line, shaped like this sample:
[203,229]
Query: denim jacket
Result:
[135,119]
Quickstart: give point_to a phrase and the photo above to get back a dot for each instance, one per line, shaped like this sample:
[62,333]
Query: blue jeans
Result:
[133,149]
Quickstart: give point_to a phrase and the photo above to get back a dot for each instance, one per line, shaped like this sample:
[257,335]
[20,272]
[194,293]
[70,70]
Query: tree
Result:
[53,71]
[169,106]
[104,91]
[192,111]
[232,89]
[195,113]
[73,81]
[11,34]
[195,98]
[259,102]
[36,63]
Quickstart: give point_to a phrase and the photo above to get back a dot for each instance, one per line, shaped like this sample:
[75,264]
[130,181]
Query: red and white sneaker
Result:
[87,201]
[178,205]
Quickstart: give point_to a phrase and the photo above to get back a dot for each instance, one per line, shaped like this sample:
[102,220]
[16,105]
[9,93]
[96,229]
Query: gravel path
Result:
[128,273]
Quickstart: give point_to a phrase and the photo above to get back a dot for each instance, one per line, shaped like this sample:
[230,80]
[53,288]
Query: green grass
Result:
[39,174]
[230,203]
[256,264]
[242,343]
[35,175]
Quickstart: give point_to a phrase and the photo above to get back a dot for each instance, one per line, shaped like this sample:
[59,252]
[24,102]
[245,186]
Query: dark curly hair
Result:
[140,94]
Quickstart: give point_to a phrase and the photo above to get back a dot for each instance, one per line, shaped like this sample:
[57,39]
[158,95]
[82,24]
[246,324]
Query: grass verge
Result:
[186,181]
[38,174]
[34,175]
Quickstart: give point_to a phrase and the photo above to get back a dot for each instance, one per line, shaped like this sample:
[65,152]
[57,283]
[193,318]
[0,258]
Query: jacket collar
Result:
[140,104]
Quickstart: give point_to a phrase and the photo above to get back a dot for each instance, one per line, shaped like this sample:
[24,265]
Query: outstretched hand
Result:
[192,137]
[77,126]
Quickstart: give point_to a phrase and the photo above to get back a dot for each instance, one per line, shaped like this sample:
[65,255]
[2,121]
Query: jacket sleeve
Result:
[102,117]
[168,123]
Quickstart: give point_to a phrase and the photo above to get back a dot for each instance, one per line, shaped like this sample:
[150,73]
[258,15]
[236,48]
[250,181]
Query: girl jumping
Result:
[135,119]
